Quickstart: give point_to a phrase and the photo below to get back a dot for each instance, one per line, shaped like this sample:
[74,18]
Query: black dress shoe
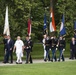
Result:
[45,60]
[4,62]
[31,62]
[11,62]
[51,60]
[58,60]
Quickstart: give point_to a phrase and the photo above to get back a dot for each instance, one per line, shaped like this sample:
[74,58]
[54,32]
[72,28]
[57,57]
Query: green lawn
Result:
[55,68]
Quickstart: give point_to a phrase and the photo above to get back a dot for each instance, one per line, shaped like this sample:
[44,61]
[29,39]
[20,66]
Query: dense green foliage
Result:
[19,11]
[55,68]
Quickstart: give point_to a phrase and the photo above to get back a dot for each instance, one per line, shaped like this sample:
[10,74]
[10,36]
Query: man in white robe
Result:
[19,50]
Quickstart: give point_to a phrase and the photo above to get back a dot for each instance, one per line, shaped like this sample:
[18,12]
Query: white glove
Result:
[56,49]
[70,49]
[63,49]
[27,47]
[57,45]
[50,49]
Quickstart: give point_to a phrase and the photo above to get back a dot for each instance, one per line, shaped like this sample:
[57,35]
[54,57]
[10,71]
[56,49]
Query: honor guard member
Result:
[61,47]
[53,43]
[28,49]
[47,47]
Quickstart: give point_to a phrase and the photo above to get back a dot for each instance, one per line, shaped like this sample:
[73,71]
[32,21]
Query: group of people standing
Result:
[52,43]
[49,43]
[19,47]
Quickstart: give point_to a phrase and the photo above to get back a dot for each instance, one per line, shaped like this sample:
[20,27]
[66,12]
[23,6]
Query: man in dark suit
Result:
[9,49]
[61,47]
[5,42]
[28,49]
[73,48]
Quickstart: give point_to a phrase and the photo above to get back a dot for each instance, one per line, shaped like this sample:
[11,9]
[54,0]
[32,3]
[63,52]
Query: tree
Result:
[20,10]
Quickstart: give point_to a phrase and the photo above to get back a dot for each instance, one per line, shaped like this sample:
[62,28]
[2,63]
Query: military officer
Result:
[61,47]
[28,48]
[47,47]
[53,44]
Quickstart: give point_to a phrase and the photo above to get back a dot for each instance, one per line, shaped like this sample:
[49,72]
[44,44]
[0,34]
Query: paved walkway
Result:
[34,61]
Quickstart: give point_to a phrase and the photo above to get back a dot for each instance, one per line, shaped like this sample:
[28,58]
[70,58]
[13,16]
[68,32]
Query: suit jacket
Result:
[5,43]
[10,45]
[73,46]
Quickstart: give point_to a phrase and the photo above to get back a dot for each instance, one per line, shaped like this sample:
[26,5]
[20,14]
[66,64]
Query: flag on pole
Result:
[52,22]
[45,24]
[6,25]
[62,28]
[29,26]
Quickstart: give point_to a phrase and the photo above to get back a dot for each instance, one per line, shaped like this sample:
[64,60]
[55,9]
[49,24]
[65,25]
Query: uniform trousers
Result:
[61,56]
[54,54]
[28,56]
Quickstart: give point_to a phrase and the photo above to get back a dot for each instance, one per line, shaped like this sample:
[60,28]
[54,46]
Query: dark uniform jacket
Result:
[28,45]
[53,43]
[61,44]
[47,44]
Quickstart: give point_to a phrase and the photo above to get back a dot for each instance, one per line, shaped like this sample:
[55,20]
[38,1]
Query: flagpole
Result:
[29,21]
[46,19]
[51,5]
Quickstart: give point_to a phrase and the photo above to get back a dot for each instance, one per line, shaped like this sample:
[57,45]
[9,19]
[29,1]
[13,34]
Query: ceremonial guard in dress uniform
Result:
[47,47]
[73,48]
[61,47]
[28,49]
[53,43]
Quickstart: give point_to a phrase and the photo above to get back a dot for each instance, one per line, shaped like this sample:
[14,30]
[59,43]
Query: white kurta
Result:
[19,44]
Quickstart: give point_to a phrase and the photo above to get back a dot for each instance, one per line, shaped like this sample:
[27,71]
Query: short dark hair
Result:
[4,35]
[27,35]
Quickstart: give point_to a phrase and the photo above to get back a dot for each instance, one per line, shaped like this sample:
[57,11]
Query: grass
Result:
[55,68]
[37,52]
